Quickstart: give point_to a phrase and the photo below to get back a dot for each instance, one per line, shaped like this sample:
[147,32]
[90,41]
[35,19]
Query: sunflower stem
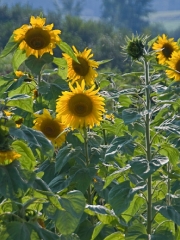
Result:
[148,145]
[169,185]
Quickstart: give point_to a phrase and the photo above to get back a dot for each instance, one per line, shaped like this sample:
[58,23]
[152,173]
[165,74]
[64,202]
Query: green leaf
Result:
[73,203]
[14,181]
[62,67]
[115,236]
[66,154]
[104,61]
[36,64]
[67,49]
[121,196]
[35,139]
[144,169]
[22,101]
[130,115]
[18,58]
[115,175]
[171,152]
[27,158]
[73,236]
[124,145]
[99,226]
[136,232]
[169,212]
[125,100]
[85,173]
[10,46]
[18,230]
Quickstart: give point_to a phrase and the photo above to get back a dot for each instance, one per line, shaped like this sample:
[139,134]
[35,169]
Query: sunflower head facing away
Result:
[174,64]
[80,108]
[84,70]
[164,47]
[52,128]
[37,39]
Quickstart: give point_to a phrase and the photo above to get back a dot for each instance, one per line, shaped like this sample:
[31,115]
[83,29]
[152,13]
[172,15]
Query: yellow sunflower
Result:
[52,128]
[174,64]
[37,39]
[80,108]
[82,70]
[8,156]
[164,47]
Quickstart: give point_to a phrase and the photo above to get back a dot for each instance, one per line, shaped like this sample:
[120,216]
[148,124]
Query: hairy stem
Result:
[148,144]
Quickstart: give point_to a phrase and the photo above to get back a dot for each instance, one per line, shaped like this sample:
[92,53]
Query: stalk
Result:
[148,145]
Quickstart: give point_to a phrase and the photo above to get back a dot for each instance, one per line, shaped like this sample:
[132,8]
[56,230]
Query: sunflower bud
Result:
[135,47]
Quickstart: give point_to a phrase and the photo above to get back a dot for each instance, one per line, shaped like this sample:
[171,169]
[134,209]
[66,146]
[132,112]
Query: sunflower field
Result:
[83,156]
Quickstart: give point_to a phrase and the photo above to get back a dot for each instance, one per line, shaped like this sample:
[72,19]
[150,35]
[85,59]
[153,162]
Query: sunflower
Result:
[165,48]
[8,156]
[82,70]
[80,108]
[52,128]
[174,64]
[37,39]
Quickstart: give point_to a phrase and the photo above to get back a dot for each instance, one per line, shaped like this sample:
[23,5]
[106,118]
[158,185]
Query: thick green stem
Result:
[148,145]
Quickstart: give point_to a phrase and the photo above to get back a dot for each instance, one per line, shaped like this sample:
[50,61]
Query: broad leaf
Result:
[14,181]
[18,58]
[10,46]
[22,101]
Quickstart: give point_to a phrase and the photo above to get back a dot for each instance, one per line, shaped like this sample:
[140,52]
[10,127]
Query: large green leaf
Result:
[73,236]
[116,236]
[27,158]
[10,46]
[66,154]
[35,139]
[14,181]
[171,152]
[136,232]
[67,221]
[22,101]
[84,173]
[169,212]
[144,169]
[36,64]
[18,58]
[124,145]
[130,115]
[122,195]
[67,49]
[99,226]
[115,175]
[62,67]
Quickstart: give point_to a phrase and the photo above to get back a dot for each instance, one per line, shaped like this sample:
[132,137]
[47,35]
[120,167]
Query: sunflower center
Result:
[178,66]
[80,105]
[37,38]
[82,67]
[50,128]
[167,50]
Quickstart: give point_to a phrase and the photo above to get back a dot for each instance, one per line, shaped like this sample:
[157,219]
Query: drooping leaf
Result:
[14,181]
[36,64]
[124,145]
[169,212]
[19,57]
[121,196]
[73,204]
[35,139]
[66,154]
[130,115]
[62,67]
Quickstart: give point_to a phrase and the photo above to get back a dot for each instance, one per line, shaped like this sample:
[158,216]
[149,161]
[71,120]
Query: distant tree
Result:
[131,14]
[69,7]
